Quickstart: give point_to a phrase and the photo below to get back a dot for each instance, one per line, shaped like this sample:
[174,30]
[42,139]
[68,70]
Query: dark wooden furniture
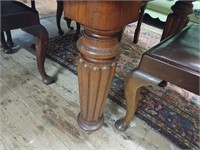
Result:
[175,60]
[16,15]
[179,15]
[7,44]
[139,23]
[98,46]
[178,19]
[59,12]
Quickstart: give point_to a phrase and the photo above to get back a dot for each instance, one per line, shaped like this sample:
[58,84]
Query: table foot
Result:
[89,126]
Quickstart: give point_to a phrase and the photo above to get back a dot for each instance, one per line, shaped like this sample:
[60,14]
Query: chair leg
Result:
[133,85]
[42,38]
[120,35]
[9,39]
[4,45]
[58,16]
[137,30]
[68,21]
[78,28]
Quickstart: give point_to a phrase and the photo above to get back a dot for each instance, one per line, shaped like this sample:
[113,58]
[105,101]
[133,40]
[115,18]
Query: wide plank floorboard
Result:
[67,87]
[48,113]
[53,110]
[20,128]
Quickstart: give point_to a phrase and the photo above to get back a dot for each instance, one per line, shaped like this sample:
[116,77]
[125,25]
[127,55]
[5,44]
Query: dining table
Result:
[99,48]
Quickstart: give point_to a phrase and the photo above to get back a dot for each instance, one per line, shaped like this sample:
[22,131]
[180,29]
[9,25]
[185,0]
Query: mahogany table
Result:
[98,47]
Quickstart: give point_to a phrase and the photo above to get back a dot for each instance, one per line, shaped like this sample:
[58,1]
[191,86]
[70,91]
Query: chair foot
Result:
[47,80]
[10,43]
[163,84]
[7,50]
[60,32]
[9,39]
[120,125]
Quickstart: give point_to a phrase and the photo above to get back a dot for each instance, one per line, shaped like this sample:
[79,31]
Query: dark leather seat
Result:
[16,15]
[178,58]
[175,60]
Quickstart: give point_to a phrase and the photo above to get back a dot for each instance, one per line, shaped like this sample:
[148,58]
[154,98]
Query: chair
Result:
[16,15]
[139,23]
[175,60]
[68,21]
[138,27]
[180,14]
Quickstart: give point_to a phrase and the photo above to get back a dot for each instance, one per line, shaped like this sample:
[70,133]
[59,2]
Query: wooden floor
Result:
[34,116]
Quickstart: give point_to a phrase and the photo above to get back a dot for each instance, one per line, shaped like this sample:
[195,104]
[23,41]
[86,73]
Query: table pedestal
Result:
[96,67]
[102,20]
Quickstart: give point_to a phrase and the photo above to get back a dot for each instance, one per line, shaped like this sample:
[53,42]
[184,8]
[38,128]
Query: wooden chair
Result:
[68,21]
[138,27]
[16,15]
[139,23]
[175,60]
[180,16]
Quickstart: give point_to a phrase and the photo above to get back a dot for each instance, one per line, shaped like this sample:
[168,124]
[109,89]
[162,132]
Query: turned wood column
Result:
[96,67]
[178,19]
[98,47]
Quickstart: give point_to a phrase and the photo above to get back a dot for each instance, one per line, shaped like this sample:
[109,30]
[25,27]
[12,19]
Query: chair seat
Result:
[8,7]
[176,59]
[17,15]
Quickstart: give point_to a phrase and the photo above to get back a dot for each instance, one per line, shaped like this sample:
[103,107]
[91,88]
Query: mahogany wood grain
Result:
[99,49]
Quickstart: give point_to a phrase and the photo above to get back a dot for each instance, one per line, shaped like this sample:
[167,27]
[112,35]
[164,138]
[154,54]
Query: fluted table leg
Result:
[102,20]
[96,67]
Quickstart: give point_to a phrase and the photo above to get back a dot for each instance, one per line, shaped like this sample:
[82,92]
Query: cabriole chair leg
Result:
[41,35]
[133,84]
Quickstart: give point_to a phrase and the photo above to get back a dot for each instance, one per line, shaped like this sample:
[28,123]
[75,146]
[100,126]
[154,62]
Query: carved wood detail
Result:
[96,67]
[178,19]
